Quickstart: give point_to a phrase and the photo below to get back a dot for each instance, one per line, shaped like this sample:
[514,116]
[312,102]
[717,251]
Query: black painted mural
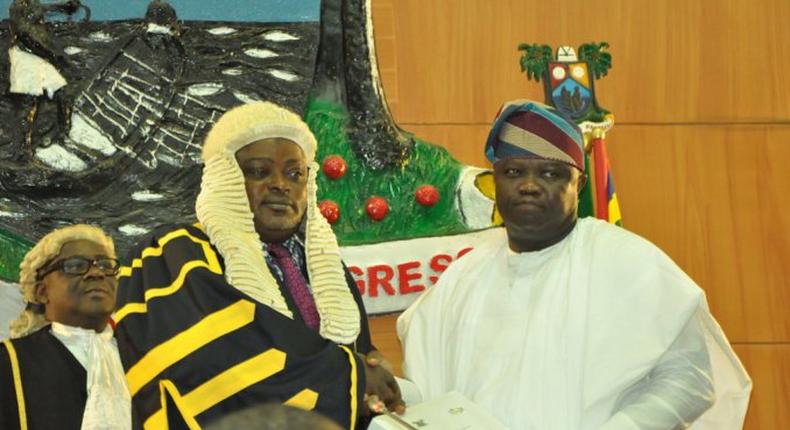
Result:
[119,144]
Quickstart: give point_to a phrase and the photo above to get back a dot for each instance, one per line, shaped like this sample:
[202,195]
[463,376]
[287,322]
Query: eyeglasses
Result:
[76,266]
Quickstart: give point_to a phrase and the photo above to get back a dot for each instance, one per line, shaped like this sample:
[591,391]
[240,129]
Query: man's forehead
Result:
[531,161]
[288,161]
[271,148]
[82,246]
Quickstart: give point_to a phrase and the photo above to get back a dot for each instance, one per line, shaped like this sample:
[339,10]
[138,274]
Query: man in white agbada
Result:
[62,369]
[564,323]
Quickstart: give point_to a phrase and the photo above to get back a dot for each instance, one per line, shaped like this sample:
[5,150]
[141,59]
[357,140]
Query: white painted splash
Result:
[132,230]
[100,36]
[86,134]
[168,160]
[261,53]
[205,89]
[146,196]
[221,31]
[244,98]
[72,50]
[31,74]
[158,29]
[283,75]
[6,214]
[476,208]
[279,36]
[59,158]
[236,71]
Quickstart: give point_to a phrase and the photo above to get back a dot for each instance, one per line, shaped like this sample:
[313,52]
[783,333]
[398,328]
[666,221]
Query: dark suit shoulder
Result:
[9,414]
[33,340]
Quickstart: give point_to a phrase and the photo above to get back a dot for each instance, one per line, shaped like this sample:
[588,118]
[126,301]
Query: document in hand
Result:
[450,411]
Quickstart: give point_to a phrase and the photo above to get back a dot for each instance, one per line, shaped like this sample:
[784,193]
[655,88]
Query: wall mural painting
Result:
[105,106]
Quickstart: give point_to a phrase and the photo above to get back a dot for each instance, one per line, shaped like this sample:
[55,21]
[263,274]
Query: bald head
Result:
[273,416]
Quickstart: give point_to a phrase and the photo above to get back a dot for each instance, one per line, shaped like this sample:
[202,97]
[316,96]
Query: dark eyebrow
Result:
[555,163]
[289,161]
[258,159]
[89,257]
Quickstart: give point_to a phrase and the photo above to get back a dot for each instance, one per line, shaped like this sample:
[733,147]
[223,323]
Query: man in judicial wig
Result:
[61,368]
[252,303]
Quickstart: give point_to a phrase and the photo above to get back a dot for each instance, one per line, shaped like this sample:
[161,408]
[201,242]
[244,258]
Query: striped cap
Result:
[524,128]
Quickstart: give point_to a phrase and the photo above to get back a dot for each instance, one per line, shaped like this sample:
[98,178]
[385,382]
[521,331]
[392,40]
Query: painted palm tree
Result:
[596,56]
[535,60]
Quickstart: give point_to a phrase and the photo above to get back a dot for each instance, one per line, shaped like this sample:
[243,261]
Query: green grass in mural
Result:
[427,164]
[12,249]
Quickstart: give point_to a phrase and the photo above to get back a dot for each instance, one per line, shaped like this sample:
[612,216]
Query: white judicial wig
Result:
[42,252]
[223,209]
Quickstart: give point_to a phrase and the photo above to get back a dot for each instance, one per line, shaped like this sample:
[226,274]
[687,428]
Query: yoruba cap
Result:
[524,128]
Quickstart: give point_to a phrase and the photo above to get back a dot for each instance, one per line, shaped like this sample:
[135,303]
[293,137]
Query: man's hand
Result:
[381,391]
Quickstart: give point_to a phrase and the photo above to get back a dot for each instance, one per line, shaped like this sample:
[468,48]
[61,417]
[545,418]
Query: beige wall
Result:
[701,93]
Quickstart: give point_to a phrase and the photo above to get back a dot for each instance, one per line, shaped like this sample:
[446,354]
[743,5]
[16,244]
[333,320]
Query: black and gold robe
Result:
[41,383]
[195,348]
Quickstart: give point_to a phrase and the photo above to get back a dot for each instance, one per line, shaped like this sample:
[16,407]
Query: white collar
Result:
[69,331]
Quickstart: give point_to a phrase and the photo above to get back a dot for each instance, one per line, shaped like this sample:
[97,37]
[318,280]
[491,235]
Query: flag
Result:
[601,183]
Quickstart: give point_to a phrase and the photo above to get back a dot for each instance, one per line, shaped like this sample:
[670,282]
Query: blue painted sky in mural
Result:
[203,10]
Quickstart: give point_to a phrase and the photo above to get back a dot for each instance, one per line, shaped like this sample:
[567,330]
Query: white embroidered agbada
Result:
[599,331]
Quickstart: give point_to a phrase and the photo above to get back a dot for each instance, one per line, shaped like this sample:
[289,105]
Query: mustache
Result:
[277,201]
[533,202]
[107,284]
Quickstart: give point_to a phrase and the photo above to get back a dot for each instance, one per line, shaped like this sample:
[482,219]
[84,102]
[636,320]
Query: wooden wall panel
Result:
[674,61]
[385,338]
[715,200]
[769,367]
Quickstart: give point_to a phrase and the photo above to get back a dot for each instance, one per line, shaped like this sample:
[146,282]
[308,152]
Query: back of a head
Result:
[273,416]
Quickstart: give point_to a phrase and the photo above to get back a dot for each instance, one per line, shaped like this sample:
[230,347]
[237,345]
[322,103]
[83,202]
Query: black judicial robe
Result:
[195,348]
[53,384]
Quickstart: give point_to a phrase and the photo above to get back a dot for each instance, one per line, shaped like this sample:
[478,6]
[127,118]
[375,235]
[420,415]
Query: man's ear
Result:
[41,293]
[582,181]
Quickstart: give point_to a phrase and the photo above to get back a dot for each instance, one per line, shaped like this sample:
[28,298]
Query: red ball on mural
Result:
[377,208]
[427,195]
[334,167]
[330,210]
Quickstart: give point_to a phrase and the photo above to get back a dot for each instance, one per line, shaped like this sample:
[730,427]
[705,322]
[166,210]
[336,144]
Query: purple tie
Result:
[296,285]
